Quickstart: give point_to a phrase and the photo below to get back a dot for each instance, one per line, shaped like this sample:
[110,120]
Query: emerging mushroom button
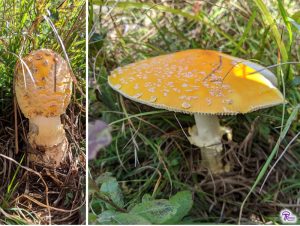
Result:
[205,83]
[43,86]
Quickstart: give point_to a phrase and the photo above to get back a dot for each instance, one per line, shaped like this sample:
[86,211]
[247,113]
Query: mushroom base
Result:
[48,141]
[207,135]
[212,159]
[51,157]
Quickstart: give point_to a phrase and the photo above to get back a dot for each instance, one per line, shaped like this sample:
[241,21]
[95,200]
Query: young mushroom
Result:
[204,83]
[43,87]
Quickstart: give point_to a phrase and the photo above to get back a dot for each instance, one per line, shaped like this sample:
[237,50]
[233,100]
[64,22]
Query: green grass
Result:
[149,152]
[25,25]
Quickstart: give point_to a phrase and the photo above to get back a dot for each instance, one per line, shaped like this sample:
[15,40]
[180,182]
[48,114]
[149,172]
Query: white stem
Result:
[46,131]
[48,141]
[208,130]
[207,135]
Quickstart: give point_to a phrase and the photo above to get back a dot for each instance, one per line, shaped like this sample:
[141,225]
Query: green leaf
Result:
[184,200]
[103,178]
[147,197]
[97,205]
[112,217]
[106,217]
[114,192]
[92,218]
[130,219]
[159,211]
[110,187]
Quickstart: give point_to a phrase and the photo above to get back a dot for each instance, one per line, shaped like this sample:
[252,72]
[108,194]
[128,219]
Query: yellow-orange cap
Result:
[43,84]
[197,81]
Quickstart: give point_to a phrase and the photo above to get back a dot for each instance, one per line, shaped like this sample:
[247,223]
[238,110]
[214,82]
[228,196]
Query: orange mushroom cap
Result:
[196,81]
[43,84]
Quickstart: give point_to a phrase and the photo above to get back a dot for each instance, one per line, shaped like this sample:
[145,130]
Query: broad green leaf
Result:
[106,217]
[147,197]
[185,202]
[112,217]
[114,192]
[103,178]
[97,205]
[159,211]
[130,219]
[110,187]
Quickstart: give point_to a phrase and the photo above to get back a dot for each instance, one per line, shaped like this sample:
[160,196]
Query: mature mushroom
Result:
[43,87]
[205,83]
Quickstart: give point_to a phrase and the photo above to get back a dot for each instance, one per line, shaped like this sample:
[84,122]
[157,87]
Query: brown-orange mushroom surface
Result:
[43,87]
[205,83]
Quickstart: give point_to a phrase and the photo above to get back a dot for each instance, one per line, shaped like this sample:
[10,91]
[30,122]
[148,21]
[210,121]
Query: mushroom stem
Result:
[207,135]
[47,139]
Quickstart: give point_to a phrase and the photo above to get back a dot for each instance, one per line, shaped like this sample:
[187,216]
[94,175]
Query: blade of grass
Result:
[11,188]
[245,34]
[269,20]
[160,32]
[284,151]
[136,116]
[270,158]
[290,33]
[286,21]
